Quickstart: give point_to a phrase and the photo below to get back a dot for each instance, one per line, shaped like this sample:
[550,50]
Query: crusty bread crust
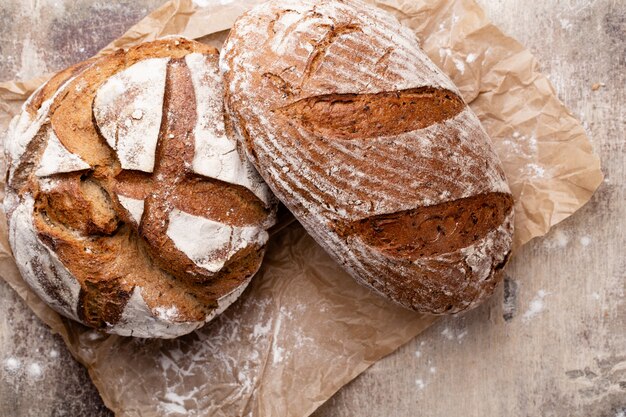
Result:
[129,208]
[372,148]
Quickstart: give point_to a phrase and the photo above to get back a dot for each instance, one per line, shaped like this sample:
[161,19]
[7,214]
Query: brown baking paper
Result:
[304,328]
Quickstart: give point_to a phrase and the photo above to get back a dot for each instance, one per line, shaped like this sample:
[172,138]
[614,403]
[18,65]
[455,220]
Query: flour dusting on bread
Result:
[209,243]
[38,264]
[134,206]
[349,122]
[128,109]
[56,159]
[216,155]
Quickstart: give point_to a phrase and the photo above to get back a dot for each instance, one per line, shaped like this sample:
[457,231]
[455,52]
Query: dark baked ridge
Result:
[362,116]
[431,230]
[82,221]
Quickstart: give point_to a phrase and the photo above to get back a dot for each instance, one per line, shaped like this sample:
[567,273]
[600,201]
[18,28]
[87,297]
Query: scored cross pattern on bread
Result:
[372,148]
[153,219]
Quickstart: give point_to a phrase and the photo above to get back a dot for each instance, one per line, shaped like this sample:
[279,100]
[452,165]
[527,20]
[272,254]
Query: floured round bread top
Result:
[129,208]
[372,148]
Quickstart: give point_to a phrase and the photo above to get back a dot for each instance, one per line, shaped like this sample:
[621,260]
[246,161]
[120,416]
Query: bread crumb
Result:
[597,86]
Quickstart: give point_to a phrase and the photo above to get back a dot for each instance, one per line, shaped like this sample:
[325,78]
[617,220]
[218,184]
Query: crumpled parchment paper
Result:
[304,328]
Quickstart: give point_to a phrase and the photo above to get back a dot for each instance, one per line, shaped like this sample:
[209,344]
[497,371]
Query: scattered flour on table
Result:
[447,333]
[433,370]
[565,24]
[262,329]
[34,370]
[33,62]
[454,334]
[558,240]
[471,58]
[420,383]
[585,240]
[536,305]
[277,351]
[12,365]
[535,171]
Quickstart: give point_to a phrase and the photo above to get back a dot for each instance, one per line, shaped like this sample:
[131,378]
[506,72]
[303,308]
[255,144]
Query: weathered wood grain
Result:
[552,344]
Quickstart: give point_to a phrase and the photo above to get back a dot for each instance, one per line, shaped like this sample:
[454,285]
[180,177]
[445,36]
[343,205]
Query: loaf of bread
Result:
[372,148]
[129,208]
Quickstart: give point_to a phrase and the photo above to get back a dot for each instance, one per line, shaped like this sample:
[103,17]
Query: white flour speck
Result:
[559,239]
[433,369]
[447,333]
[94,335]
[471,58]
[585,240]
[54,353]
[202,3]
[418,354]
[595,295]
[420,383]
[174,408]
[460,65]
[277,354]
[535,170]
[262,330]
[536,305]
[444,52]
[137,114]
[461,335]
[565,24]
[12,364]
[34,370]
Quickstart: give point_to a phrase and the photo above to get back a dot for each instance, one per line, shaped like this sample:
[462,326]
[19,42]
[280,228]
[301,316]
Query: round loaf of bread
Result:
[129,208]
[372,148]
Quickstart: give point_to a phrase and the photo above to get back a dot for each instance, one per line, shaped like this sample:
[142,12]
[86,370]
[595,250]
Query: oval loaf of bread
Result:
[372,148]
[129,208]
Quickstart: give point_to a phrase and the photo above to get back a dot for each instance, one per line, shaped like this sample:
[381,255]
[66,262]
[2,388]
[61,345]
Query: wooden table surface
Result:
[551,342]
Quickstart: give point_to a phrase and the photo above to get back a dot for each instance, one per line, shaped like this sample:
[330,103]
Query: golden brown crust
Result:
[82,218]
